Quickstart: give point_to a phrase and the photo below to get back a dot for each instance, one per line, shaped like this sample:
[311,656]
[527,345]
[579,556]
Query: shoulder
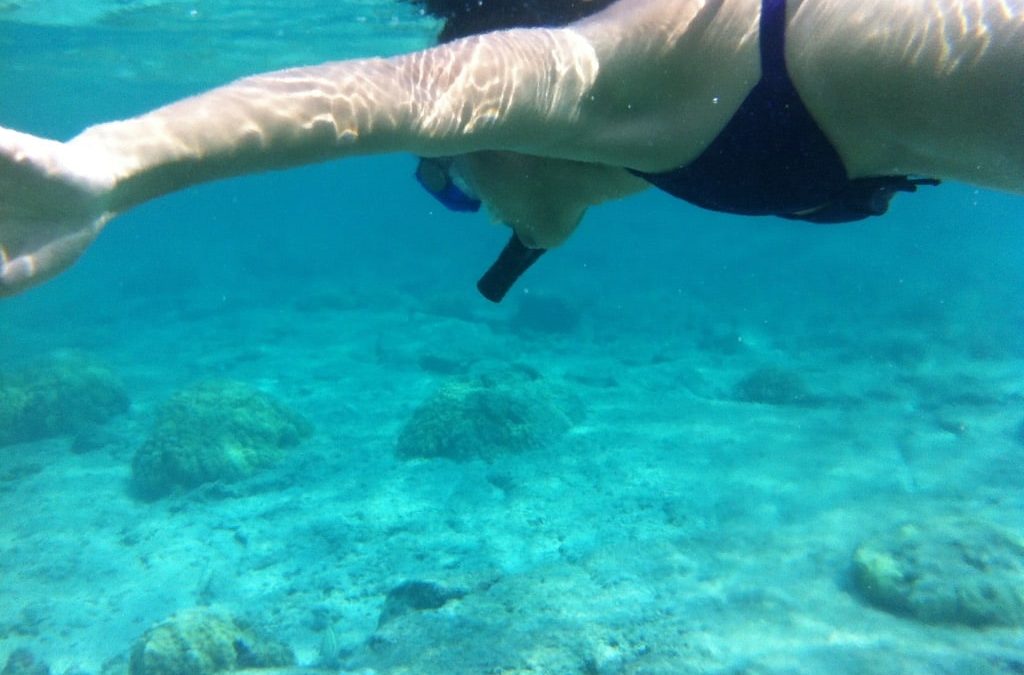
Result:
[671,73]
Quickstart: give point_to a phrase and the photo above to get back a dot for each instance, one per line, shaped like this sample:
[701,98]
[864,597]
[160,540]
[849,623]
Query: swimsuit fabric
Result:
[773,159]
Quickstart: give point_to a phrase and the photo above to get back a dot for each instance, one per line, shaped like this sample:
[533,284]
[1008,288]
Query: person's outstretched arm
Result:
[513,90]
[606,91]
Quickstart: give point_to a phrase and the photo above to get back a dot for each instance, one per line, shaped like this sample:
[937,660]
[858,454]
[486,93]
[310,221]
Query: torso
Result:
[898,87]
[933,87]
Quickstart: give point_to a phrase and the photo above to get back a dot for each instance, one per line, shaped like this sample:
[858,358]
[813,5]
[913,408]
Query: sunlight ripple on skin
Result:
[495,75]
[959,31]
[965,28]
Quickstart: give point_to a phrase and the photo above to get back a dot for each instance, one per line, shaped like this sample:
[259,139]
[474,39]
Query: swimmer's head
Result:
[470,18]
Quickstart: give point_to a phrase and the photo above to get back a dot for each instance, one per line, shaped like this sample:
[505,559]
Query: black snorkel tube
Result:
[435,175]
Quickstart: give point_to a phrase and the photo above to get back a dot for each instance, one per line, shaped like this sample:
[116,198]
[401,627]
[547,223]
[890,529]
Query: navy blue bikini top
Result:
[773,159]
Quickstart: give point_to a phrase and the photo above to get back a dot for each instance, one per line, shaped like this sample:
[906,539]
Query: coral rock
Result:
[63,394]
[487,416]
[216,431]
[949,571]
[774,386]
[23,662]
[203,642]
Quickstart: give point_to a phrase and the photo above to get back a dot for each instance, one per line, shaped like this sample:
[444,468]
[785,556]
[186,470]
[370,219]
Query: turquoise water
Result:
[754,401]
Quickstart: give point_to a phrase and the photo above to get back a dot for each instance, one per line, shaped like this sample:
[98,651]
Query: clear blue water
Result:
[677,529]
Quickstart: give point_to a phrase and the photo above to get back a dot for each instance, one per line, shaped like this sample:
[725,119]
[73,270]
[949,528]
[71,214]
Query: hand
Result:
[52,205]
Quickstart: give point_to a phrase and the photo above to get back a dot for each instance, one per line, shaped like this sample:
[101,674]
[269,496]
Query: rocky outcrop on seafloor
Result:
[771,385]
[65,393]
[488,415]
[201,641]
[215,431]
[951,571]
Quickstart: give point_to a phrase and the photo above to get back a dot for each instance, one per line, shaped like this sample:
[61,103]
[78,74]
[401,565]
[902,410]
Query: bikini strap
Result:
[773,43]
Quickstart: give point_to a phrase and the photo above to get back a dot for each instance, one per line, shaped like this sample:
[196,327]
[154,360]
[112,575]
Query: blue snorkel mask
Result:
[436,176]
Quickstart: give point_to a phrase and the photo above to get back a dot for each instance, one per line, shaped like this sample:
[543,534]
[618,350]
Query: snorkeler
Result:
[817,110]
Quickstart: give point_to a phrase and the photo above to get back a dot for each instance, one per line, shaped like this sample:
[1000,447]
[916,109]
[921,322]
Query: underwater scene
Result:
[269,425]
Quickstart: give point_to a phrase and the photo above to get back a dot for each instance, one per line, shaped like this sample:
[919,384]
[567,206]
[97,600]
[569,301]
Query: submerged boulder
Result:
[949,571]
[215,431]
[485,416]
[65,393]
[203,642]
[23,662]
[771,385]
[416,596]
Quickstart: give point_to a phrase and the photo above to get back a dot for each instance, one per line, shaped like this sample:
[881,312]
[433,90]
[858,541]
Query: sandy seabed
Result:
[679,528]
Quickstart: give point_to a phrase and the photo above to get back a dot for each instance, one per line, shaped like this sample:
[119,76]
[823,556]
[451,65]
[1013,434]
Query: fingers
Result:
[27,152]
[51,208]
[26,269]
[49,176]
